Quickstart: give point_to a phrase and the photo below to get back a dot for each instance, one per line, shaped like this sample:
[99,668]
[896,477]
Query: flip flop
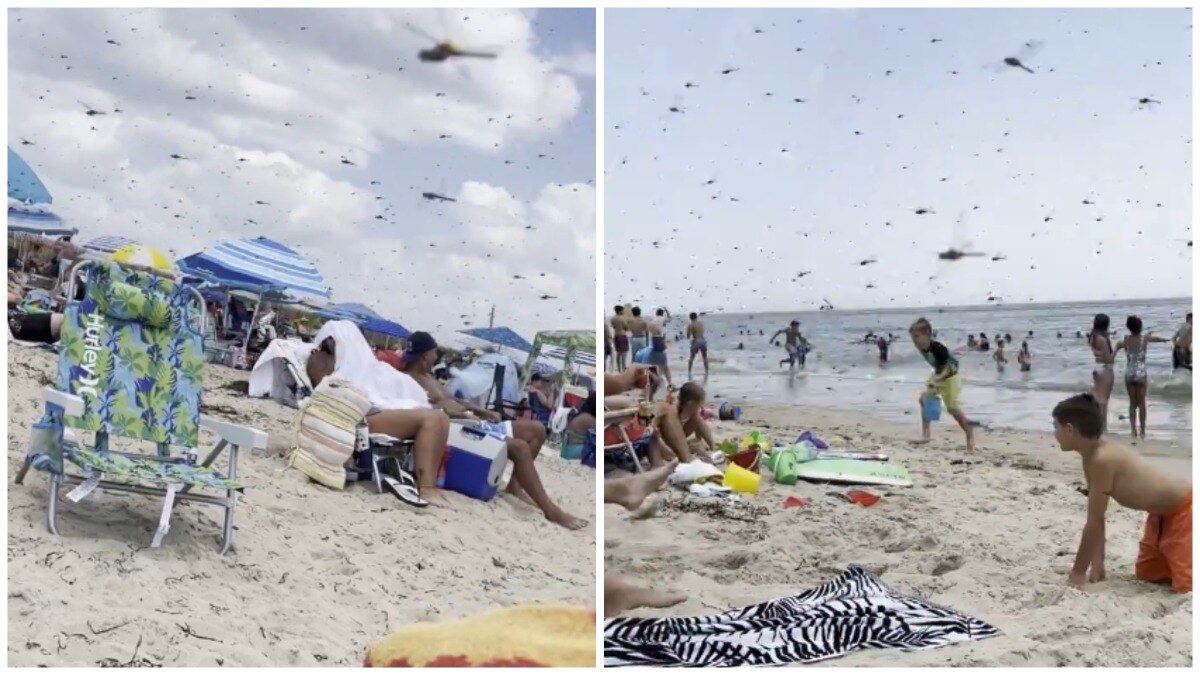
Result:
[405,493]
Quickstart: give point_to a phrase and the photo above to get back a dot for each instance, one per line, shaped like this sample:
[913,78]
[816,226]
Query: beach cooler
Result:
[475,463]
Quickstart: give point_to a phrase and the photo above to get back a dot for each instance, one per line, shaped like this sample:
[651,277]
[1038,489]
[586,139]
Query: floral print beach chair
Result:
[130,363]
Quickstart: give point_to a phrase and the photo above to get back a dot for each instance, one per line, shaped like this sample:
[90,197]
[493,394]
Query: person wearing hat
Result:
[523,438]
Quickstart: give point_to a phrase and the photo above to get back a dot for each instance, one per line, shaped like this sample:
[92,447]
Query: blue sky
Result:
[270,105]
[812,195]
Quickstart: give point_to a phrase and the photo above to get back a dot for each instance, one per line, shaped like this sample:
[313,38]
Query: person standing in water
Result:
[639,335]
[882,344]
[999,357]
[1136,379]
[658,344]
[695,331]
[620,328]
[1025,358]
[794,343]
[1181,351]
[1102,374]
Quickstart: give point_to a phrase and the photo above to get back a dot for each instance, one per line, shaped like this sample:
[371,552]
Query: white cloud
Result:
[275,110]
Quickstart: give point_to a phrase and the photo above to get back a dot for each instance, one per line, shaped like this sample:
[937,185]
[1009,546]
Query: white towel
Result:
[388,388]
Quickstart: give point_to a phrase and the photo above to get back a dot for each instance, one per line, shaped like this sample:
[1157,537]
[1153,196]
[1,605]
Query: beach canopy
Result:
[23,184]
[37,221]
[505,337]
[353,309]
[258,263]
[109,243]
[385,327]
[572,342]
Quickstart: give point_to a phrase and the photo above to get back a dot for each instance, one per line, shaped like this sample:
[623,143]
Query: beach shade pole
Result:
[253,321]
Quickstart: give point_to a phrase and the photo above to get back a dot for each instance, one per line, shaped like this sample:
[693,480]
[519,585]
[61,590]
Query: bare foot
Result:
[435,497]
[560,517]
[634,489]
[970,439]
[620,596]
[648,509]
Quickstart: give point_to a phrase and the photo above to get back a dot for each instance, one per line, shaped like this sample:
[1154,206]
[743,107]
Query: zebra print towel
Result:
[854,611]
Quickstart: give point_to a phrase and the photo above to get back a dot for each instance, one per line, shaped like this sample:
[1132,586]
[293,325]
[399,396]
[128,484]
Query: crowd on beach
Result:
[679,433]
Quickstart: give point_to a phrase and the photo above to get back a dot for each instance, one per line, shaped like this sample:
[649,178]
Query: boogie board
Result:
[853,471]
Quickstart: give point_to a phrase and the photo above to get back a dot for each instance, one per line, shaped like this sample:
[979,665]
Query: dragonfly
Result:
[444,50]
[1023,55]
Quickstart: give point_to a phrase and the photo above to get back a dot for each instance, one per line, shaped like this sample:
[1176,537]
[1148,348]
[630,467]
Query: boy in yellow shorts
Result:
[945,381]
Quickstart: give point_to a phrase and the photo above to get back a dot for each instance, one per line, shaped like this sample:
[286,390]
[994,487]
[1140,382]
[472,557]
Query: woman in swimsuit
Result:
[1025,358]
[1136,381]
[1102,374]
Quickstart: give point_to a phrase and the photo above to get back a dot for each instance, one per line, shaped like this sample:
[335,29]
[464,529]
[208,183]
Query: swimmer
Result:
[695,331]
[1136,380]
[639,334]
[999,357]
[1024,358]
[658,344]
[620,329]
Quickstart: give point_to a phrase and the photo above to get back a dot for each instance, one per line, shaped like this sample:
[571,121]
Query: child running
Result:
[944,382]
[1136,381]
[1165,551]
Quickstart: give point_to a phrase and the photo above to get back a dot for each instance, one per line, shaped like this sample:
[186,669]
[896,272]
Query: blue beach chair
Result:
[130,364]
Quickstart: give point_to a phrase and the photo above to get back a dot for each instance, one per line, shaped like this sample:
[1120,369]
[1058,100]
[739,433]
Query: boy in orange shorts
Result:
[1165,552]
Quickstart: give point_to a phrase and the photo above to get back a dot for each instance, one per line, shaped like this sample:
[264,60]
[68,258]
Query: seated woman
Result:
[405,419]
[540,401]
[583,423]
[29,326]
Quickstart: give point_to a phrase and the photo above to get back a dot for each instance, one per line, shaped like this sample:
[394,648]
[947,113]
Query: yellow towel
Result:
[525,636]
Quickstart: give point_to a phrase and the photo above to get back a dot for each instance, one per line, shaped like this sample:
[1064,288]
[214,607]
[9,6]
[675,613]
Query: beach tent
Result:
[259,264]
[503,336]
[476,380]
[23,184]
[384,327]
[353,309]
[572,342]
[109,243]
[31,220]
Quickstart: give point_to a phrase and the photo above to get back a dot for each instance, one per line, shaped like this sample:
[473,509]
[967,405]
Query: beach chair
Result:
[626,440]
[130,365]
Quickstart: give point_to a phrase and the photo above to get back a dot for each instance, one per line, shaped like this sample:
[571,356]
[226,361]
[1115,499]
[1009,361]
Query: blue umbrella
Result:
[23,184]
[503,336]
[385,327]
[37,222]
[257,263]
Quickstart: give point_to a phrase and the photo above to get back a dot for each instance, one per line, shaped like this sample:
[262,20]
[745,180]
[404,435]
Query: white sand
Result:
[315,576]
[994,539]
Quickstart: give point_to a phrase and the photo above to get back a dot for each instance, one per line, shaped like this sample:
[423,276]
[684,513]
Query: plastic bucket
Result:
[747,459]
[729,412]
[933,408]
[741,480]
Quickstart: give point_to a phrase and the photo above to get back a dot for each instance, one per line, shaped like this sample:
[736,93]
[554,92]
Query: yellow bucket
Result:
[741,480]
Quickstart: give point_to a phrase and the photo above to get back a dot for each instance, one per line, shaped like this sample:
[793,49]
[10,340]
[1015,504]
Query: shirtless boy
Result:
[655,327]
[695,332]
[1165,551]
[523,438]
[620,327]
[796,345]
[639,334]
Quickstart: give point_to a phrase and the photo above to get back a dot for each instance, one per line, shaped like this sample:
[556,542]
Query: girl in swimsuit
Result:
[1136,381]
[1102,374]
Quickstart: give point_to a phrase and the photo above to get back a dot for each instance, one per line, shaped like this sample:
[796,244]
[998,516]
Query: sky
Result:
[797,177]
[329,118]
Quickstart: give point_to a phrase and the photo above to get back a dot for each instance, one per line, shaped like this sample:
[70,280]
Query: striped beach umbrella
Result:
[110,243]
[142,256]
[259,262]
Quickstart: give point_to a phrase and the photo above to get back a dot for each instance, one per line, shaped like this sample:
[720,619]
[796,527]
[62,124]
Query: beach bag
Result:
[325,434]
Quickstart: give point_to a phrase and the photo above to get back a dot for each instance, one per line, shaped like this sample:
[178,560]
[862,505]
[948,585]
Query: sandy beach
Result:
[990,533]
[315,576]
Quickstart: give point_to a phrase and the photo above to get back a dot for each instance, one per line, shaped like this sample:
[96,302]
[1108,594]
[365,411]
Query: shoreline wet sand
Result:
[315,576]
[991,533]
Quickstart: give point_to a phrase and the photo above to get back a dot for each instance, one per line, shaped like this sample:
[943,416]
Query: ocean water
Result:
[843,371]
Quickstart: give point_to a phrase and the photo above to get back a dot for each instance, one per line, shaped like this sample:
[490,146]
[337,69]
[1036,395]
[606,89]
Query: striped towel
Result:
[523,636]
[325,432]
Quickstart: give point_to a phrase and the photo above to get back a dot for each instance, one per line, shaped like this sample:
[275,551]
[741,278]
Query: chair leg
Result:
[231,496]
[24,469]
[52,506]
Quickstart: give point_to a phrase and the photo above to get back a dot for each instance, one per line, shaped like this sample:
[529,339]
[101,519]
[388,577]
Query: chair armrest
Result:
[384,439]
[236,434]
[70,403]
